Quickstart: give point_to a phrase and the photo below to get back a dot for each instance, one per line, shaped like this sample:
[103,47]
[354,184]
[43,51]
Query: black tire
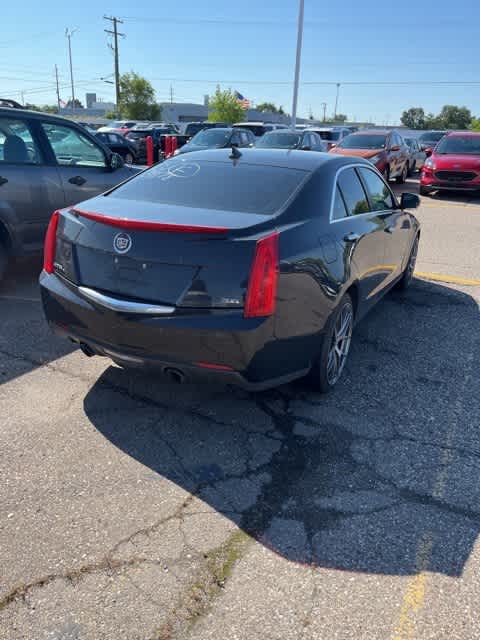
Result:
[322,377]
[3,261]
[407,276]
[128,157]
[403,176]
[386,174]
[424,191]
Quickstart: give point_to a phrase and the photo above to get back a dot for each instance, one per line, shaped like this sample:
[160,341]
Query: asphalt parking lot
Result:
[133,509]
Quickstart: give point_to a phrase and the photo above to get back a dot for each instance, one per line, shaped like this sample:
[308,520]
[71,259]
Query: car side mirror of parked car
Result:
[396,147]
[409,201]
[116,162]
[428,151]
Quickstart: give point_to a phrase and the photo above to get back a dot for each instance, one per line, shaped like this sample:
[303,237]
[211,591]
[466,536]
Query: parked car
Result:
[218,138]
[291,139]
[192,128]
[430,139]
[46,163]
[259,128]
[119,144]
[331,135]
[119,126]
[454,164]
[248,270]
[138,137]
[417,156]
[385,149]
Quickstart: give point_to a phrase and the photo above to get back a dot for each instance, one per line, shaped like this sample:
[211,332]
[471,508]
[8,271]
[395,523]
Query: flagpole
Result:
[297,62]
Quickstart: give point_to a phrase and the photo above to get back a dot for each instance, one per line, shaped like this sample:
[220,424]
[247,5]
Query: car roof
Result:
[462,134]
[289,159]
[16,113]
[380,132]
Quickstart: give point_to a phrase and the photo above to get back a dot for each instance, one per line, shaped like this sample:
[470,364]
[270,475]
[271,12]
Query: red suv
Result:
[387,150]
[454,164]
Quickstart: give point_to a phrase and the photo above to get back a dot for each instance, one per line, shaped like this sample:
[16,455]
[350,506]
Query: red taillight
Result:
[215,367]
[144,225]
[50,243]
[262,285]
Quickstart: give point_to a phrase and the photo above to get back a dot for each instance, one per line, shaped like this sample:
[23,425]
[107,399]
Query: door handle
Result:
[3,180]
[352,237]
[78,180]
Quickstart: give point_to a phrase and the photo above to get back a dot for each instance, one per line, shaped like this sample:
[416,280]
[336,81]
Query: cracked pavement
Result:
[131,509]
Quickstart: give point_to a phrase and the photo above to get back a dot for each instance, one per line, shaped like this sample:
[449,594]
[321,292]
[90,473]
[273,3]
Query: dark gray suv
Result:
[46,163]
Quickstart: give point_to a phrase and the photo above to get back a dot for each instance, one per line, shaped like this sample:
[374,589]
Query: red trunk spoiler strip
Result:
[141,225]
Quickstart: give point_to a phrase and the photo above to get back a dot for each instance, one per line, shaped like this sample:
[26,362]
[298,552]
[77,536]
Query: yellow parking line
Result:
[438,277]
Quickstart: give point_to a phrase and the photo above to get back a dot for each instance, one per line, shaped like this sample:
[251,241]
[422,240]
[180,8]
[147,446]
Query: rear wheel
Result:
[129,158]
[336,345]
[407,277]
[403,176]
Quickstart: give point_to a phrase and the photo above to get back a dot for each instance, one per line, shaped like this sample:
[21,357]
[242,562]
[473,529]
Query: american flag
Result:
[243,102]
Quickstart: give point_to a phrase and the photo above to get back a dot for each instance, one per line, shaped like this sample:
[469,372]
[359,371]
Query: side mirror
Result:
[396,147]
[116,162]
[428,151]
[409,201]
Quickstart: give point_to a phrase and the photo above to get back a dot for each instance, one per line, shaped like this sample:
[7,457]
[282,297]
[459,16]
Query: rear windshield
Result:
[214,185]
[431,136]
[276,140]
[257,129]
[469,145]
[359,141]
[192,129]
[212,138]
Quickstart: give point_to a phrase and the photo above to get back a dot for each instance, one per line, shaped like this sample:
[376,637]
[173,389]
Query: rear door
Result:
[360,232]
[82,164]
[30,189]
[397,227]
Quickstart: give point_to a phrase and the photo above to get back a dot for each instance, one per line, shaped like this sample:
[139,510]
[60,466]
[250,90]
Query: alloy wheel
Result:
[128,158]
[340,344]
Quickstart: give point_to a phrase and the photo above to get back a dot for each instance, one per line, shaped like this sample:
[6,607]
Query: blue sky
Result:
[250,46]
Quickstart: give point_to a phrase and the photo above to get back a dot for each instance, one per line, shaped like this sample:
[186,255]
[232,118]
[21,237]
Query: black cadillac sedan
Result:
[250,267]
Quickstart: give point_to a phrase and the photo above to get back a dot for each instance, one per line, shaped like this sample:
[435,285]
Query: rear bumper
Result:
[212,346]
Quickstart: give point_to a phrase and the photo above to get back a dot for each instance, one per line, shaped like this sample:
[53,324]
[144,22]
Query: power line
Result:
[115,35]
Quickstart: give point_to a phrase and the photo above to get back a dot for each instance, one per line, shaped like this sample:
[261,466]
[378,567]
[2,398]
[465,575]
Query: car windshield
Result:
[257,129]
[223,186]
[431,137]
[469,145]
[211,138]
[360,141]
[325,135]
[276,140]
[335,135]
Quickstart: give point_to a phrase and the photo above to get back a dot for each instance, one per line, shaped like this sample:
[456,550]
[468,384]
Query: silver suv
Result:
[46,163]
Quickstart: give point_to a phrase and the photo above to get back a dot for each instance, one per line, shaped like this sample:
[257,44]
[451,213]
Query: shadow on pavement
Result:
[380,476]
[25,340]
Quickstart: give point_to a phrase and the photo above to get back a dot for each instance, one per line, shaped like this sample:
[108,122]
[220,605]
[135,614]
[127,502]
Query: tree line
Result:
[450,117]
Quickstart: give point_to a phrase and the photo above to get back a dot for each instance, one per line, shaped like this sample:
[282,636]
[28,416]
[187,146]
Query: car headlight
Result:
[376,158]
[430,164]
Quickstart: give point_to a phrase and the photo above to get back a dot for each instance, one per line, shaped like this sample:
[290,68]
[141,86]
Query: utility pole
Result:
[171,94]
[69,33]
[297,62]
[324,107]
[58,90]
[115,35]
[336,102]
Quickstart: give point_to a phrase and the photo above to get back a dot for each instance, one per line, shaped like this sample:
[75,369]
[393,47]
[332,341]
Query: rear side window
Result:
[214,185]
[353,192]
[16,143]
[339,211]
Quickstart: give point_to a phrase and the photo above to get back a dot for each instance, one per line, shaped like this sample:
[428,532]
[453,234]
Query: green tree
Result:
[78,104]
[137,98]
[453,117]
[414,118]
[50,108]
[110,115]
[225,107]
[268,106]
[475,124]
[341,117]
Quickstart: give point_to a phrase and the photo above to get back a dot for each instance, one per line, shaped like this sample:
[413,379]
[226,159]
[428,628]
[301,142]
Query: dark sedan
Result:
[119,144]
[248,267]
[138,137]
[285,139]
[219,138]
